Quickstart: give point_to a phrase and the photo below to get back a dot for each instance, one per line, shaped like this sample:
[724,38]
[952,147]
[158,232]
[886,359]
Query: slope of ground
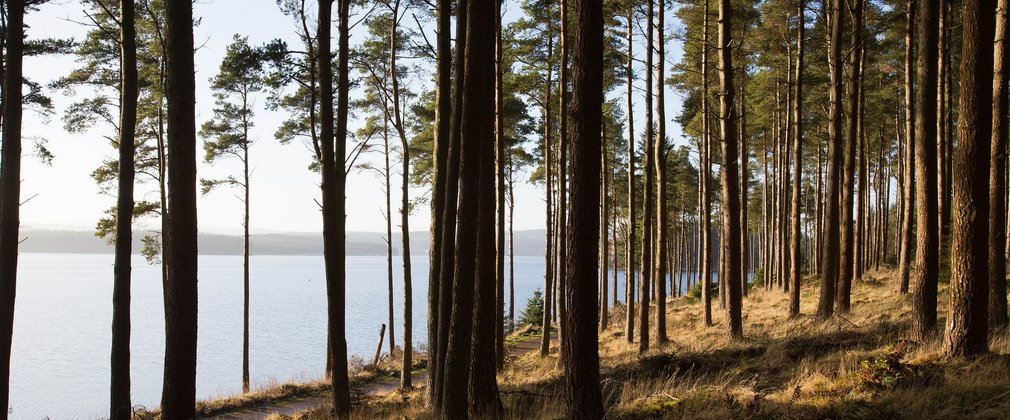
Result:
[857,365]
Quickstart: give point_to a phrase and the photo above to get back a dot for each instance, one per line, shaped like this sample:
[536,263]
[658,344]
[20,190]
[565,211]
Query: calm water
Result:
[60,361]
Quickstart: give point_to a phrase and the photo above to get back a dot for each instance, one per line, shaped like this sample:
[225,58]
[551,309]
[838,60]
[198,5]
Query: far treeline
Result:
[840,134]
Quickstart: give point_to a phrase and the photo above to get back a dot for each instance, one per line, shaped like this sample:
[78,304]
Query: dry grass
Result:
[860,365]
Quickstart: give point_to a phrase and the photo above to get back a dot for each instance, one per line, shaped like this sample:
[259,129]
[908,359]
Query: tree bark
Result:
[447,300]
[829,264]
[908,207]
[545,338]
[478,134]
[927,256]
[730,174]
[500,195]
[997,175]
[443,111]
[584,399]
[563,139]
[334,190]
[389,239]
[660,157]
[120,406]
[794,273]
[967,320]
[404,202]
[648,213]
[706,174]
[844,288]
[629,267]
[178,397]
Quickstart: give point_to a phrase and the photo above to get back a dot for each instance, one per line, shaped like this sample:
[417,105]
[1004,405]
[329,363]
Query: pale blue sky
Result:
[283,189]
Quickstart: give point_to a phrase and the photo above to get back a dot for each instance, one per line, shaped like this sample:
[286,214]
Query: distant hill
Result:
[527,243]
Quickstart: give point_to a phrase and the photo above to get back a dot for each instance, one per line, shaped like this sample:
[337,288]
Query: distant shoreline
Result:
[528,243]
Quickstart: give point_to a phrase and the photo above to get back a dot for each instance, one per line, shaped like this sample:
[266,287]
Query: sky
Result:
[283,190]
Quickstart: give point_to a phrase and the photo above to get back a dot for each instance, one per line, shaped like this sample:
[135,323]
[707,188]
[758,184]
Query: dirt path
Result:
[382,387]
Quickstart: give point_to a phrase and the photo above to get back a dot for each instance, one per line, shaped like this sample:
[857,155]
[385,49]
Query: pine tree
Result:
[967,319]
[583,397]
[178,399]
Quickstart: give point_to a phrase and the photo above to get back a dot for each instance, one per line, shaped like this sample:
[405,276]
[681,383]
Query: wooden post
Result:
[378,348]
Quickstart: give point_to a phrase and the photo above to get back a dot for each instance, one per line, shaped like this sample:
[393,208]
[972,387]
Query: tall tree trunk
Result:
[120,406]
[744,186]
[447,300]
[178,398]
[829,264]
[563,139]
[404,202]
[512,253]
[648,213]
[336,275]
[967,319]
[997,174]
[545,338]
[604,194]
[908,207]
[613,233]
[660,157]
[389,240]
[946,188]
[583,397]
[500,195]
[941,121]
[818,212]
[794,273]
[730,175]
[478,133]
[927,256]
[245,258]
[440,151]
[629,266]
[844,289]
[706,174]
[474,111]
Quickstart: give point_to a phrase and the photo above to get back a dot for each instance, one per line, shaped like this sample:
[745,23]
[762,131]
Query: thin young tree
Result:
[584,399]
[706,173]
[561,209]
[178,398]
[927,255]
[499,163]
[659,151]
[397,122]
[794,272]
[227,135]
[908,187]
[967,319]
[648,214]
[629,266]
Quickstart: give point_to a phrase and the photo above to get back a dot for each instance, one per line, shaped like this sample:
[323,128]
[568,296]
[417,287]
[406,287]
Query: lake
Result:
[62,326]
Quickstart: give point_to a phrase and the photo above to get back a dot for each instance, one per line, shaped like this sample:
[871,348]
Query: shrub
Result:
[534,312]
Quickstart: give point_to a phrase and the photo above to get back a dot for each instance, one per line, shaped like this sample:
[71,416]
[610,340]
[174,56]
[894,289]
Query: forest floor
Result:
[367,382]
[857,365]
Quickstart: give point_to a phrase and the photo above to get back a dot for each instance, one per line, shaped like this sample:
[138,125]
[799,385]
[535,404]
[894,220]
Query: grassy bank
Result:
[859,365]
